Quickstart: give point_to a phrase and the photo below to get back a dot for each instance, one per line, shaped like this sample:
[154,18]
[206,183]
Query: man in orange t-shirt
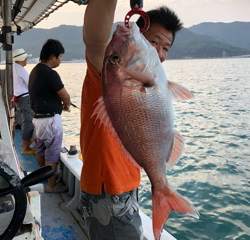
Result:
[110,181]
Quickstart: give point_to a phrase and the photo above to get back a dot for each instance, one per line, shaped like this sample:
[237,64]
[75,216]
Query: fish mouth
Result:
[114,59]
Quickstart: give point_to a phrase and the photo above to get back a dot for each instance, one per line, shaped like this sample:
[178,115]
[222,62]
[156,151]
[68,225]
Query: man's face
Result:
[56,60]
[25,62]
[160,38]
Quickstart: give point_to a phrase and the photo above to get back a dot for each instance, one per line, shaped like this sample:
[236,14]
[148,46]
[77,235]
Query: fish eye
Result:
[114,59]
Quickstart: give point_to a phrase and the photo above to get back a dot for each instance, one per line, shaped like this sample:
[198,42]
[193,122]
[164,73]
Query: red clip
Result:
[144,15]
[15,99]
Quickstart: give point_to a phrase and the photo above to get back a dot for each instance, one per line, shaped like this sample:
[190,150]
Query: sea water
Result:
[214,171]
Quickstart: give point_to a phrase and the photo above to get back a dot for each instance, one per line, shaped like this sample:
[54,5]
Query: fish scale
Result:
[147,124]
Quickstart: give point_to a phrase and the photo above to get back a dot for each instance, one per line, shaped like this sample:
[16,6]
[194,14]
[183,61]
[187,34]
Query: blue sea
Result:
[214,171]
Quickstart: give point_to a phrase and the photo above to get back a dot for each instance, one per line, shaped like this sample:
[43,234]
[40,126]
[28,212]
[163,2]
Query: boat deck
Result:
[60,217]
[58,223]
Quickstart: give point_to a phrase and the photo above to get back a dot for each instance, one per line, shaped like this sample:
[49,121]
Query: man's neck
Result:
[47,63]
[20,63]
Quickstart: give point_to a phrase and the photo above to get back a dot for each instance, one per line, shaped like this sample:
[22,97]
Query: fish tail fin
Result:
[164,202]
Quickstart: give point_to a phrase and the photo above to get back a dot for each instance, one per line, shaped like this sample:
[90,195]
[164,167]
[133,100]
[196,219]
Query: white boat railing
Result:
[72,167]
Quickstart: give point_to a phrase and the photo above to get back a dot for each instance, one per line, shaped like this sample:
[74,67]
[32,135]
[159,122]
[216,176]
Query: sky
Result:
[191,12]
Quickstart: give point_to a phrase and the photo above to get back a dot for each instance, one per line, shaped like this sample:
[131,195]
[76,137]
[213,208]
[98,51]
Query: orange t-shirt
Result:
[104,162]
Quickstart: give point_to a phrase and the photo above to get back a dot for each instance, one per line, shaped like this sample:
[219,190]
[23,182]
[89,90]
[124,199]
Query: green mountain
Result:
[236,34]
[187,44]
[70,36]
[190,45]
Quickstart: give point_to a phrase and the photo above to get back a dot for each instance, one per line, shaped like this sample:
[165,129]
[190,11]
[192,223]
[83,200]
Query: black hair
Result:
[51,47]
[165,17]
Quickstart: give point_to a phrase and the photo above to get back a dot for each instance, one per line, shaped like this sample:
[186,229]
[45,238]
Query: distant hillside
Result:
[187,44]
[190,45]
[236,33]
[70,36]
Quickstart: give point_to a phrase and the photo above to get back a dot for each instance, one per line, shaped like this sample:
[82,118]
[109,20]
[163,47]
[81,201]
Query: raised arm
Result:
[98,21]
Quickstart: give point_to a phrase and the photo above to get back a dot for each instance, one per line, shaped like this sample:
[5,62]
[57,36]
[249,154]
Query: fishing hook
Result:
[136,8]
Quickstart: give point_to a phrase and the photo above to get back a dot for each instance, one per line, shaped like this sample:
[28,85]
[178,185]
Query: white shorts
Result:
[49,134]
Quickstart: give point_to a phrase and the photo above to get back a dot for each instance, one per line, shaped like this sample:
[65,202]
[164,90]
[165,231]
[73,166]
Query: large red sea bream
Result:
[137,106]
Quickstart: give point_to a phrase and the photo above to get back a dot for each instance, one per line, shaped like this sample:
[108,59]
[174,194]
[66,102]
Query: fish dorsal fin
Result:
[178,148]
[101,113]
[179,92]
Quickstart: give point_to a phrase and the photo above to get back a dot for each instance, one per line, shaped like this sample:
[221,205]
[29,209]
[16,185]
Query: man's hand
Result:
[66,107]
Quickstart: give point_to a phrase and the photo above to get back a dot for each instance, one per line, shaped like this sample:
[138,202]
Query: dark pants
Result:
[112,217]
[23,107]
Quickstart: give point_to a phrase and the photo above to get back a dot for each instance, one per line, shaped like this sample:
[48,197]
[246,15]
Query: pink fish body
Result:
[137,106]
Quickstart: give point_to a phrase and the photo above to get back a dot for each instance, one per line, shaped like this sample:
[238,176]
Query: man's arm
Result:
[98,21]
[24,75]
[65,99]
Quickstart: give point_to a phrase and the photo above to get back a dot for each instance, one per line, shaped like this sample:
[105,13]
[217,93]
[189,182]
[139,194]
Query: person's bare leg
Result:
[26,145]
[40,160]
[52,180]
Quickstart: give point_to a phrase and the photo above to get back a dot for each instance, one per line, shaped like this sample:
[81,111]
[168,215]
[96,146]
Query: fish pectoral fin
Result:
[143,77]
[179,92]
[177,150]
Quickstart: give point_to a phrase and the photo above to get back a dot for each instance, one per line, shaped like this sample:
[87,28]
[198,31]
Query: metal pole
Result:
[7,46]
[9,61]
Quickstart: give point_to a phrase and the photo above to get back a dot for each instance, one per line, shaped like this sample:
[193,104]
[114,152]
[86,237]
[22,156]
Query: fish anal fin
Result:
[164,202]
[101,113]
[177,150]
[179,92]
